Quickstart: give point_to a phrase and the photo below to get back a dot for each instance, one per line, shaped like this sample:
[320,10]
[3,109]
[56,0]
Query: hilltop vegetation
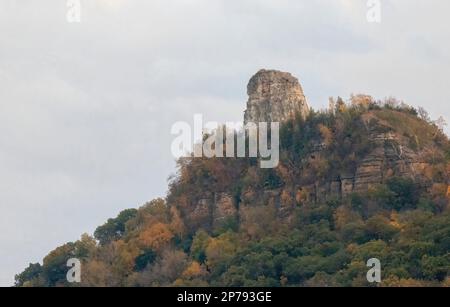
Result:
[226,222]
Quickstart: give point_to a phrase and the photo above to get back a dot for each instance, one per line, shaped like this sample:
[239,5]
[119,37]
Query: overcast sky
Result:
[86,108]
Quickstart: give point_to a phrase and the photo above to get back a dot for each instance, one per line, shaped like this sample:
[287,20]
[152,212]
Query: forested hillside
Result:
[364,180]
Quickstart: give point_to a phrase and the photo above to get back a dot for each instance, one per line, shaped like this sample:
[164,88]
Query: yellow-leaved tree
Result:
[156,236]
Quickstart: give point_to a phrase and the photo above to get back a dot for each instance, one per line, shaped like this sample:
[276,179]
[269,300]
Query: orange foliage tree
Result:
[156,236]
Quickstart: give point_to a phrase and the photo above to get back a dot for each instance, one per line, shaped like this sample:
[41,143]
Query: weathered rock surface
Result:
[274,96]
[390,157]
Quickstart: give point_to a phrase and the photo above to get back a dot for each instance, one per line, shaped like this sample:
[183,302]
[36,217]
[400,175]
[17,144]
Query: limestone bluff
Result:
[393,150]
[274,96]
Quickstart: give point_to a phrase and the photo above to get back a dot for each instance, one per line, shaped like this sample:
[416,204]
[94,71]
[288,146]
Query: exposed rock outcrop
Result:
[390,157]
[385,150]
[274,96]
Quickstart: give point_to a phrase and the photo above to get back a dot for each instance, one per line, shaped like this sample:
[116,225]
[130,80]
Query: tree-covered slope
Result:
[367,180]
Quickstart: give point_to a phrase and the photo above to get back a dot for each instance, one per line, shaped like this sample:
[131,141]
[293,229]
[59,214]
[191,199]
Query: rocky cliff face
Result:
[274,96]
[396,143]
[388,159]
[391,156]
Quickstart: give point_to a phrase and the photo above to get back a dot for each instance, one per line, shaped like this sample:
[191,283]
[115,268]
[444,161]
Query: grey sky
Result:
[86,109]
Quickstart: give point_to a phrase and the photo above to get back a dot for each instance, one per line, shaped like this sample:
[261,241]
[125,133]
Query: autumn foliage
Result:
[272,228]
